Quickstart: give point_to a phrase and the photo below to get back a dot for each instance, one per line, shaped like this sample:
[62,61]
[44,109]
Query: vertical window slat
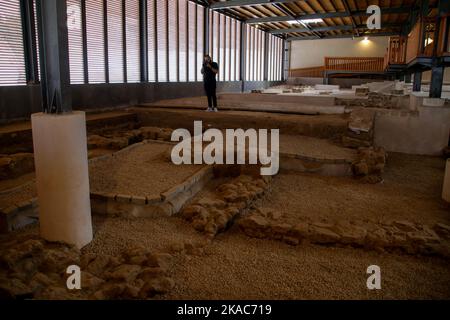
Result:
[151,20]
[12,55]
[132,40]
[95,41]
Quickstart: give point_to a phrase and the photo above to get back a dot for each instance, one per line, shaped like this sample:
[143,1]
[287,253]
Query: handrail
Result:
[312,72]
[355,64]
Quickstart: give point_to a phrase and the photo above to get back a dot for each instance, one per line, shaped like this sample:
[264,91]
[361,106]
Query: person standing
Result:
[210,70]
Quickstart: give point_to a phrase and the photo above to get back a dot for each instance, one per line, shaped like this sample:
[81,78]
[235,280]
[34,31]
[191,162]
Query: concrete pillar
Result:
[61,161]
[446,190]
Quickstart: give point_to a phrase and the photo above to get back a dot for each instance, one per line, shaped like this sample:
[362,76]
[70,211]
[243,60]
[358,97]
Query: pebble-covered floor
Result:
[145,170]
[234,266]
[411,191]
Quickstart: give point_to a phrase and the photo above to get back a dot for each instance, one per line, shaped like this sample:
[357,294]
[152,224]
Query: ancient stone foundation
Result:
[408,237]
[214,214]
[32,268]
[369,165]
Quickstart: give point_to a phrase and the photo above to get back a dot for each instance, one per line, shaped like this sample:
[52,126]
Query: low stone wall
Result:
[211,215]
[408,237]
[32,268]
[422,132]
[325,167]
[376,100]
[19,215]
[15,165]
[360,131]
[369,165]
[167,203]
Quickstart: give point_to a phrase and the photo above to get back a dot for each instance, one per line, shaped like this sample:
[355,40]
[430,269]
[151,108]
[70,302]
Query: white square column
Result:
[61,161]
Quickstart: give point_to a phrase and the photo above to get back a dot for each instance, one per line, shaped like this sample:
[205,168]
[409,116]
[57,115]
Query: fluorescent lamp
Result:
[305,21]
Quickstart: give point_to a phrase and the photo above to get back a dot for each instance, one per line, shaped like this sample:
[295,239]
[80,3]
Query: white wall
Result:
[426,76]
[311,53]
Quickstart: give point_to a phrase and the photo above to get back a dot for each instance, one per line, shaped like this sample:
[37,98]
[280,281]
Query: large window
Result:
[132,41]
[182,42]
[152,40]
[173,40]
[255,54]
[115,41]
[200,39]
[275,56]
[192,43]
[74,25]
[104,40]
[161,39]
[225,45]
[12,61]
[95,41]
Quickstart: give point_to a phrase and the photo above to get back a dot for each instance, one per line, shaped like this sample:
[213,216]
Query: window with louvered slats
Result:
[247,52]
[211,33]
[161,15]
[261,55]
[216,36]
[233,50]
[269,56]
[75,33]
[182,40]
[200,46]
[132,41]
[151,30]
[95,41]
[173,35]
[222,38]
[115,41]
[192,12]
[227,55]
[12,60]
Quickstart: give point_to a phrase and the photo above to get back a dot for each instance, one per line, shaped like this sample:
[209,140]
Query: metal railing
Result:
[354,64]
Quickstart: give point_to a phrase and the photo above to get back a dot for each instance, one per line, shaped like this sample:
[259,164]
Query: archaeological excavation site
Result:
[224,150]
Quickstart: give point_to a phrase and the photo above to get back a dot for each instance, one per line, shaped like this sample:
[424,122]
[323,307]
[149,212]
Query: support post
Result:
[84,37]
[417,81]
[30,47]
[143,39]
[266,56]
[59,139]
[286,60]
[54,56]
[243,61]
[437,78]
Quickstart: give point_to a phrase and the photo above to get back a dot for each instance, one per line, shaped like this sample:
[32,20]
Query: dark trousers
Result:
[210,89]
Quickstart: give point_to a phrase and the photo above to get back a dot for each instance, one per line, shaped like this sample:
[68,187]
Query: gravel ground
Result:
[114,235]
[411,191]
[234,266]
[237,267]
[314,148]
[142,171]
